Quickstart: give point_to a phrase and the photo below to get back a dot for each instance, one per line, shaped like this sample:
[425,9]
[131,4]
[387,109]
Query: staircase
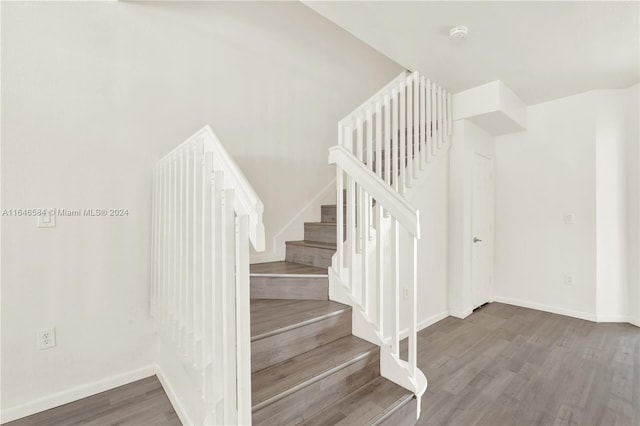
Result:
[307,367]
[313,339]
[317,361]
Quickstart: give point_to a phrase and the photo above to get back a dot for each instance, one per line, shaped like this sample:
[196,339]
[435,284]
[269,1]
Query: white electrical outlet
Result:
[569,279]
[46,338]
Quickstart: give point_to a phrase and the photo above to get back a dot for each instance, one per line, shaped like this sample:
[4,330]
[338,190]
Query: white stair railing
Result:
[410,119]
[205,214]
[383,145]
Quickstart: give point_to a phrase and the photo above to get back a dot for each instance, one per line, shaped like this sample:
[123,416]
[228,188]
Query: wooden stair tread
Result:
[314,244]
[272,383]
[271,316]
[370,404]
[285,268]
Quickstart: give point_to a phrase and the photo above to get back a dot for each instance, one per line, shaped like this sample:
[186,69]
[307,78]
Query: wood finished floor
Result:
[141,403]
[506,365]
[503,365]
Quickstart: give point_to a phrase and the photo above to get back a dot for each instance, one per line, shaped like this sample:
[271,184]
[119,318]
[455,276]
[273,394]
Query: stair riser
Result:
[321,233]
[328,213]
[313,256]
[279,347]
[304,403]
[301,288]
[404,416]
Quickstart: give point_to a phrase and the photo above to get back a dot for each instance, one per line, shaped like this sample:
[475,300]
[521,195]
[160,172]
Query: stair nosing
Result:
[308,382]
[299,324]
[282,275]
[313,244]
[401,402]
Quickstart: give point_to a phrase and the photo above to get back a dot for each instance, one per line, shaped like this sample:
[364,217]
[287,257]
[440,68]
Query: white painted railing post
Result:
[359,194]
[394,308]
[379,142]
[440,127]
[392,167]
[415,140]
[434,119]
[370,149]
[429,116]
[339,220]
[402,176]
[243,322]
[449,115]
[413,307]
[386,164]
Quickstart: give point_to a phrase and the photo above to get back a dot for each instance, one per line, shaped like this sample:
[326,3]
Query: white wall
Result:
[93,94]
[541,175]
[571,160]
[429,195]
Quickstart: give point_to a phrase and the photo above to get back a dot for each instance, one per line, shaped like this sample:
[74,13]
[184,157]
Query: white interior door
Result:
[482,230]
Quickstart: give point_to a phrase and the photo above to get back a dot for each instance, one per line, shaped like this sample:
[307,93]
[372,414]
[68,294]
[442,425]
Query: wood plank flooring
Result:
[503,365]
[506,365]
[143,402]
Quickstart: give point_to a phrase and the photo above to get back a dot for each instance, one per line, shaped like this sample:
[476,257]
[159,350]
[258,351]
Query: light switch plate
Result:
[47,221]
[569,218]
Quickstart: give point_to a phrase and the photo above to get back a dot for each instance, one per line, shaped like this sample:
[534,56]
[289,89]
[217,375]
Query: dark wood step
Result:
[282,329]
[324,232]
[311,253]
[380,402]
[287,280]
[296,389]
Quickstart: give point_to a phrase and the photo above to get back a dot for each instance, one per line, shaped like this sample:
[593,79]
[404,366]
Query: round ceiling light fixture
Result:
[458,33]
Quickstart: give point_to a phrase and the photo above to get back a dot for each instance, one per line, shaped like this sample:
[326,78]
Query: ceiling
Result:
[541,50]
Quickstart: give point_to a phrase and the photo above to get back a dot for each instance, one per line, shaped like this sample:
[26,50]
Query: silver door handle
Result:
[476,240]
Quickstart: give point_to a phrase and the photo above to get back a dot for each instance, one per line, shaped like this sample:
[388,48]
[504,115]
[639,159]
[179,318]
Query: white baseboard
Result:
[74,394]
[461,314]
[546,308]
[426,322]
[429,321]
[613,318]
[178,406]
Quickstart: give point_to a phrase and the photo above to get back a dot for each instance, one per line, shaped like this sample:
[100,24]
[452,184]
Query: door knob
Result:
[476,240]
